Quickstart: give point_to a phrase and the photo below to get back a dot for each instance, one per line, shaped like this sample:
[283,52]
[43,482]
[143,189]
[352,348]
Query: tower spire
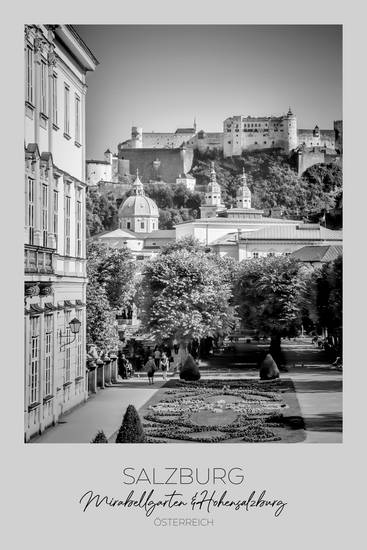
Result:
[138,187]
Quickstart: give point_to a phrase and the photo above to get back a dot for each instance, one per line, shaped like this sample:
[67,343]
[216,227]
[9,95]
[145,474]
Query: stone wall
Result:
[158,164]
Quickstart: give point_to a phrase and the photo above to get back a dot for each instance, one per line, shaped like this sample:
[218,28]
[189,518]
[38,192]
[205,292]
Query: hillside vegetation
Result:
[272,181]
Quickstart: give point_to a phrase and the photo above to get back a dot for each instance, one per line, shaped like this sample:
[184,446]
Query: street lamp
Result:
[74,327]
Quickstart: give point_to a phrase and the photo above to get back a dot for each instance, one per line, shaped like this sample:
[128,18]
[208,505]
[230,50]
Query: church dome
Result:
[138,205]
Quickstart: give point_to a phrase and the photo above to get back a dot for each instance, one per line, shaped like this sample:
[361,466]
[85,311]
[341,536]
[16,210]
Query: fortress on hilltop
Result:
[168,156]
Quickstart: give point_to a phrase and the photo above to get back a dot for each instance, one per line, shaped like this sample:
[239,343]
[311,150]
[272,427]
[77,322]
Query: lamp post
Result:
[74,326]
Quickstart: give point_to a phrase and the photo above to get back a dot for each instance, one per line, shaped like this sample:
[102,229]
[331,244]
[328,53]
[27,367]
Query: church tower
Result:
[212,197]
[243,195]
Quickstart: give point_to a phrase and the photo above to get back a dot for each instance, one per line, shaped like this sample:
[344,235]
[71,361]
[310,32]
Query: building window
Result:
[141,225]
[48,353]
[79,364]
[34,373]
[79,228]
[54,99]
[255,254]
[55,216]
[229,143]
[67,362]
[67,225]
[29,75]
[43,106]
[67,110]
[44,214]
[128,225]
[77,119]
[271,254]
[31,210]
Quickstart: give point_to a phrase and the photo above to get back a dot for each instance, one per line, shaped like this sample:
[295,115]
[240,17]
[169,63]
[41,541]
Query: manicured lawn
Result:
[228,411]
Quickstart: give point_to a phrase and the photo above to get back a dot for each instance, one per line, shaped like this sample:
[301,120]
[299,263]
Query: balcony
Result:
[38,259]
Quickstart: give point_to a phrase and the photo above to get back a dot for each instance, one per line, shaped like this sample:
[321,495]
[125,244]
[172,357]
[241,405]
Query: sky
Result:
[162,77]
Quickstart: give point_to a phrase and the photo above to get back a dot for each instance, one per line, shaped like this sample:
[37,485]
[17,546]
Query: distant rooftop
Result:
[318,253]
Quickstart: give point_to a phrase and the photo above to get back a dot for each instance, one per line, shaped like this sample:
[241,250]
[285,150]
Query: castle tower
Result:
[291,121]
[243,195]
[108,156]
[138,213]
[212,197]
[136,137]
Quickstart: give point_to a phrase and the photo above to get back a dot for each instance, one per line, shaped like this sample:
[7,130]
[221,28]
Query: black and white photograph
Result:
[183,273]
[183,234]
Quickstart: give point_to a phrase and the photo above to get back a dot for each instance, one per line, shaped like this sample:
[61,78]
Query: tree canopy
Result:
[110,287]
[184,296]
[267,293]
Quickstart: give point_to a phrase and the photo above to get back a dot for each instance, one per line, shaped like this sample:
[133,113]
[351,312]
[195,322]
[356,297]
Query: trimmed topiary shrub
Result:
[131,430]
[190,369]
[268,368]
[100,437]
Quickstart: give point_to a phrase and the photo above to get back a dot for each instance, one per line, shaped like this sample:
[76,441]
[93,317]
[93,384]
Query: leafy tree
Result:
[323,297]
[267,292]
[101,211]
[110,287]
[114,269]
[189,243]
[131,430]
[184,297]
[100,318]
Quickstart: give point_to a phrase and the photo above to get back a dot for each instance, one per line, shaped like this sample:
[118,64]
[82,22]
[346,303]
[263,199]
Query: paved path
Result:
[102,411]
[319,393]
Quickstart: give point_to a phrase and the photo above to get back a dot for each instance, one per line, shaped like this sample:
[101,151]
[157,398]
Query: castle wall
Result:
[158,164]
[308,138]
[306,159]
[98,171]
[255,133]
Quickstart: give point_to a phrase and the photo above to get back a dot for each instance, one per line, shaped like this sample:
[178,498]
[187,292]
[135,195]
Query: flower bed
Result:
[210,411]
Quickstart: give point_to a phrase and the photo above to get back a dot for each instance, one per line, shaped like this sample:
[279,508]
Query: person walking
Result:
[157,357]
[150,368]
[122,364]
[164,365]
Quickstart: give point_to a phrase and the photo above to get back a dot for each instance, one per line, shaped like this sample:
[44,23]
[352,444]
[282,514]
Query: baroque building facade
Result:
[56,63]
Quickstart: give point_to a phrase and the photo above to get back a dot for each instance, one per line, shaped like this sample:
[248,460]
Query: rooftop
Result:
[279,232]
[318,253]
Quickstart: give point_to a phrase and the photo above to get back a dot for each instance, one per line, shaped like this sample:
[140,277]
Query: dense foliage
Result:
[270,176]
[273,182]
[110,287]
[185,296]
[323,297]
[267,293]
[101,211]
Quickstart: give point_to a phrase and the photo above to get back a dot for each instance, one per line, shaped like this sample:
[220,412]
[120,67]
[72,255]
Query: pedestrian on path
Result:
[150,368]
[164,365]
[157,357]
